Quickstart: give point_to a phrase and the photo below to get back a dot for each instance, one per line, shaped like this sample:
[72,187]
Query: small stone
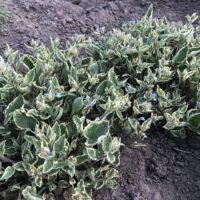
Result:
[113,6]
[83,30]
[69,19]
[144,2]
[63,22]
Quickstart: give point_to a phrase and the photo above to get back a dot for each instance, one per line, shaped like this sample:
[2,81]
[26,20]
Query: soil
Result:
[165,168]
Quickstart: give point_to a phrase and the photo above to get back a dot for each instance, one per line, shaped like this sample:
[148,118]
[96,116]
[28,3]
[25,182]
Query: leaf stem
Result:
[3,159]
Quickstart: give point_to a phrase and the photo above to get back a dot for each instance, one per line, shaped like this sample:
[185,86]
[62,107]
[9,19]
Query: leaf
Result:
[180,133]
[24,122]
[133,123]
[2,148]
[146,125]
[48,165]
[112,77]
[91,152]
[19,166]
[38,181]
[17,103]
[70,168]
[101,88]
[77,105]
[194,119]
[59,144]
[9,171]
[149,12]
[107,143]
[55,132]
[4,131]
[111,158]
[30,76]
[79,121]
[116,143]
[160,92]
[95,131]
[112,173]
[28,62]
[59,164]
[112,184]
[81,159]
[180,55]
[99,184]
[29,193]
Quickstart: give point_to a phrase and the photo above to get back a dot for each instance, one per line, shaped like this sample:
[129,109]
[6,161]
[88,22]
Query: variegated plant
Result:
[61,108]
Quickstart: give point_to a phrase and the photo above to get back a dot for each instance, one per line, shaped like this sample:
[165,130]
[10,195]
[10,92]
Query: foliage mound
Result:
[61,107]
[3,12]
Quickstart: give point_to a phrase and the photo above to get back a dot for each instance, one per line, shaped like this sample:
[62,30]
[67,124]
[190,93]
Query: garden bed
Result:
[159,168]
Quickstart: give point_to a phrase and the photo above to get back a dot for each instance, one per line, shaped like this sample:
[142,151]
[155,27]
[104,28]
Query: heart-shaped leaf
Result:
[91,152]
[17,103]
[95,131]
[9,171]
[48,165]
[180,55]
[24,122]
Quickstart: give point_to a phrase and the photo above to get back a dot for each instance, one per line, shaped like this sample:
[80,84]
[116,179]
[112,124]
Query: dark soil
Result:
[41,19]
[165,168]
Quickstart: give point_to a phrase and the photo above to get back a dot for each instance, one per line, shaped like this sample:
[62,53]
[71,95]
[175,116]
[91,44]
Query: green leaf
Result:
[112,173]
[112,77]
[38,181]
[9,171]
[59,164]
[19,166]
[107,143]
[4,131]
[48,165]
[17,103]
[112,184]
[77,105]
[59,144]
[81,159]
[79,121]
[133,123]
[146,125]
[30,76]
[116,143]
[111,158]
[99,184]
[24,122]
[194,119]
[95,131]
[180,133]
[70,168]
[149,12]
[30,193]
[91,152]
[28,62]
[2,148]
[55,132]
[101,88]
[180,55]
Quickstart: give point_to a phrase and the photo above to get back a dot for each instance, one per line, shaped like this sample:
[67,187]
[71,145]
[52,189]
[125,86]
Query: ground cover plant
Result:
[3,12]
[61,108]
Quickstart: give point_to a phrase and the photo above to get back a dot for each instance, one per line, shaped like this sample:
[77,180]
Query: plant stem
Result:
[3,159]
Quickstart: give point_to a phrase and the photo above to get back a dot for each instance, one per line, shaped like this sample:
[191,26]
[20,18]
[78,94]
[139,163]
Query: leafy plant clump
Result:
[3,12]
[60,107]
